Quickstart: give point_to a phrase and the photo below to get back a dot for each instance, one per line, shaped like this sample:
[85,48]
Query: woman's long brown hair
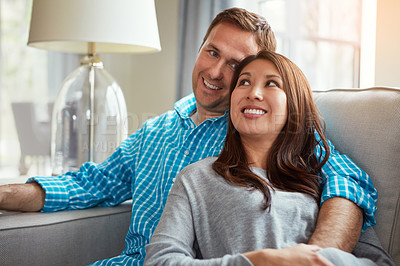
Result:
[292,163]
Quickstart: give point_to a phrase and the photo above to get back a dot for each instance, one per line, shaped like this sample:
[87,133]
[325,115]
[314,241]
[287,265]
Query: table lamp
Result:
[89,117]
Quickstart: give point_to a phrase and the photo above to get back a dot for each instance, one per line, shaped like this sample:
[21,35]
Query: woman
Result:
[259,199]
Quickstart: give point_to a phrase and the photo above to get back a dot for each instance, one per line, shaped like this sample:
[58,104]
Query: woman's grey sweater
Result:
[209,221]
[206,217]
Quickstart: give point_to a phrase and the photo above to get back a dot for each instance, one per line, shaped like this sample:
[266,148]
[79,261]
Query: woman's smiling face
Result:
[258,101]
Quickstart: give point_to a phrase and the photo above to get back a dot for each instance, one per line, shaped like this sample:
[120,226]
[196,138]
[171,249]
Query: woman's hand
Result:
[300,254]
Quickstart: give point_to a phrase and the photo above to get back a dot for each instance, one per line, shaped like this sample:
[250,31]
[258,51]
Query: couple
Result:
[144,166]
[260,197]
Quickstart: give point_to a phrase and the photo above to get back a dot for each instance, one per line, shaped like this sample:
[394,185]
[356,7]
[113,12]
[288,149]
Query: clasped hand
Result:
[300,254]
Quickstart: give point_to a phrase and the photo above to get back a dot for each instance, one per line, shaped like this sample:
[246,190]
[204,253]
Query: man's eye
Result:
[234,65]
[213,53]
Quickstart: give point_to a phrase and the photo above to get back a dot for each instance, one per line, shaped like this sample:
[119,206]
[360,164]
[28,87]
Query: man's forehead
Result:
[233,41]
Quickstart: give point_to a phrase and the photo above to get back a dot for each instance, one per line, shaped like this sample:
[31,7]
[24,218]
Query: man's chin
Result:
[212,108]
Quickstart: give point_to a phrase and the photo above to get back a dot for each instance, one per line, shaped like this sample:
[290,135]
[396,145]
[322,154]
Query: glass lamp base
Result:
[89,118]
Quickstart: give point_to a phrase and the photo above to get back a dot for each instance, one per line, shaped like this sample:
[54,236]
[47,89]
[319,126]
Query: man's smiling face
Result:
[224,48]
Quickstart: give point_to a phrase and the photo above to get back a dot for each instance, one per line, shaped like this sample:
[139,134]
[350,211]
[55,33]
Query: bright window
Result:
[323,37]
[22,76]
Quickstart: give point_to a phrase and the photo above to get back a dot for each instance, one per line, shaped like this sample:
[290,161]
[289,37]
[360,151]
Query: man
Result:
[145,165]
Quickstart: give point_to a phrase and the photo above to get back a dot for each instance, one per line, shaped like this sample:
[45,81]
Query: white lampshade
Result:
[116,26]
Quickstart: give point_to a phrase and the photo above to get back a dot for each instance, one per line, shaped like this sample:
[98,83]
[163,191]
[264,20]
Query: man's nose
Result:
[216,70]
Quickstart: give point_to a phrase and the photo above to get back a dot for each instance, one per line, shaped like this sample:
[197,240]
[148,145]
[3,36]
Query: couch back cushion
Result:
[365,125]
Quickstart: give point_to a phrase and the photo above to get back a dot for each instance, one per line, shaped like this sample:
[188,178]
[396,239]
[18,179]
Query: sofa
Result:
[362,123]
[365,125]
[75,237]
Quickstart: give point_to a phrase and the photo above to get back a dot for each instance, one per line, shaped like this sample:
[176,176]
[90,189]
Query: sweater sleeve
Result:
[174,239]
[105,184]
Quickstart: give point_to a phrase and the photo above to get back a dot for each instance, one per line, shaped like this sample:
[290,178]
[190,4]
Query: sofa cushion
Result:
[76,237]
[365,125]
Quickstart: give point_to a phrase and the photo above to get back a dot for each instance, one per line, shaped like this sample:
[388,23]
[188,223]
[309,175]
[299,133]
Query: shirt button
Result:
[186,152]
[173,179]
[192,126]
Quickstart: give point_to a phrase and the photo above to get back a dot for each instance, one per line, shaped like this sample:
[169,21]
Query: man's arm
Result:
[22,197]
[339,224]
[348,202]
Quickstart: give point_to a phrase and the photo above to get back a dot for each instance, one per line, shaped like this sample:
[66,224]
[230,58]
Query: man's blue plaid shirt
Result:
[146,164]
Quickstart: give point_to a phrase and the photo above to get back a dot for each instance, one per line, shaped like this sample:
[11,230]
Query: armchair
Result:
[33,135]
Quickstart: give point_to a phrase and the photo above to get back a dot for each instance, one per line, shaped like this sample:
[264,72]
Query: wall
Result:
[149,80]
[387,68]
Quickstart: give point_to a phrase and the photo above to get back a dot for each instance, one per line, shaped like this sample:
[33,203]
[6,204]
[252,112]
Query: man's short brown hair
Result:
[247,21]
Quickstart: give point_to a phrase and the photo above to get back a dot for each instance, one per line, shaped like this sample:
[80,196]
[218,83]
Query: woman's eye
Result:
[244,82]
[272,84]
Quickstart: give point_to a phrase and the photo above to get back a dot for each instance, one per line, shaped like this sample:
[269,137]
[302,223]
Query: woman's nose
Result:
[255,93]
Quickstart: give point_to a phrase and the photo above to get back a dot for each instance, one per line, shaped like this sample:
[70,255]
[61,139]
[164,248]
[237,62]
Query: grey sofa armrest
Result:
[76,237]
[365,125]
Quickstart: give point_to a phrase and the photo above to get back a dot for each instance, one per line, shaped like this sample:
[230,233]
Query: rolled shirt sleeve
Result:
[341,177]
[105,184]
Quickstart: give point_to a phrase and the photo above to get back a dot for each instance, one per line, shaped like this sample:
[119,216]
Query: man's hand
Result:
[300,254]
[22,197]
[339,225]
